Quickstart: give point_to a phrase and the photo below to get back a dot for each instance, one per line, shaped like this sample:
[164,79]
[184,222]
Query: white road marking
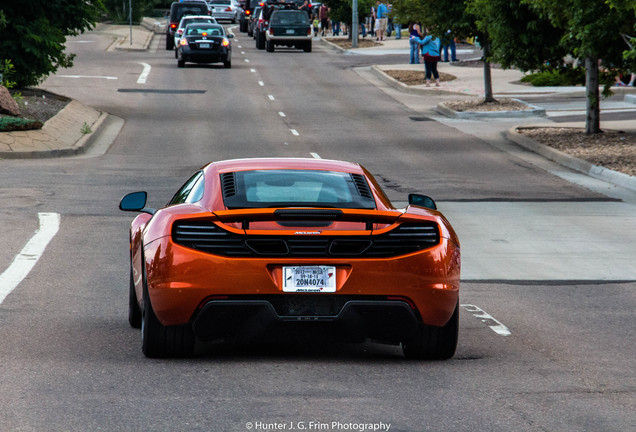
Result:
[315,155]
[242,52]
[241,47]
[252,70]
[247,60]
[282,114]
[87,76]
[30,254]
[261,83]
[144,75]
[82,41]
[294,132]
[271,97]
[497,327]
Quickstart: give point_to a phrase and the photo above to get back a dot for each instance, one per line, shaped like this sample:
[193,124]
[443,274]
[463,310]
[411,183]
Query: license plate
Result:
[309,279]
[291,31]
[204,45]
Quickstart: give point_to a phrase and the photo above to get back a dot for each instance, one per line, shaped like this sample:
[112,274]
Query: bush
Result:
[8,124]
[567,76]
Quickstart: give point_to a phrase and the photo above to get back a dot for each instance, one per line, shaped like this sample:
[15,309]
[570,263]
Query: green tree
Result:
[35,34]
[592,30]
[629,55]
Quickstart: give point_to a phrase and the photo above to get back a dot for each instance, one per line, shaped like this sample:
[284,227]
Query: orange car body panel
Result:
[180,279]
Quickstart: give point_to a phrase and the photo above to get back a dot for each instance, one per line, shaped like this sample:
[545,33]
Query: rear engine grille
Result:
[207,237]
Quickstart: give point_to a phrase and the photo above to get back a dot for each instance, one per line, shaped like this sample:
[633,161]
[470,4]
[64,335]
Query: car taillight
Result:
[183,42]
[179,32]
[271,32]
[247,12]
[225,42]
[173,25]
[229,9]
[309,31]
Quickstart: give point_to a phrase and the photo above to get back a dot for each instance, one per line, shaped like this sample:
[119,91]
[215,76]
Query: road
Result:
[547,321]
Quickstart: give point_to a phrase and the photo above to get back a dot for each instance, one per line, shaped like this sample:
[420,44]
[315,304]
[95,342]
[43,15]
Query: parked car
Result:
[226,10]
[253,248]
[205,43]
[189,19]
[290,28]
[177,11]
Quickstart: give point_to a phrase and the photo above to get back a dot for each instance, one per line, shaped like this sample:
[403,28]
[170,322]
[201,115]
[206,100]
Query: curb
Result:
[630,98]
[80,147]
[408,89]
[598,172]
[535,111]
[117,45]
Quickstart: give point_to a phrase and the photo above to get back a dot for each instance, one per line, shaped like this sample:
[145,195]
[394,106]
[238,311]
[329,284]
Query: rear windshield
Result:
[223,2]
[179,11]
[293,188]
[204,30]
[289,17]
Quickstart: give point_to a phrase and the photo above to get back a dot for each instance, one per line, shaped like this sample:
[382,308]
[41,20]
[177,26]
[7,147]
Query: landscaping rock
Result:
[8,105]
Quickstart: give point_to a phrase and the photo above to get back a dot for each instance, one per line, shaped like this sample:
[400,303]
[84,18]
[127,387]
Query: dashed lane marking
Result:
[315,155]
[271,97]
[294,132]
[261,83]
[494,325]
[282,114]
[30,254]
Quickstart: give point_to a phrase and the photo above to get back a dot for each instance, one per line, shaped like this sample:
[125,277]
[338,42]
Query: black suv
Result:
[290,28]
[177,11]
[248,16]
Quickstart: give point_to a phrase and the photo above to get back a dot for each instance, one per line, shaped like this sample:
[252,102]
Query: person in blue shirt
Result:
[430,54]
[382,14]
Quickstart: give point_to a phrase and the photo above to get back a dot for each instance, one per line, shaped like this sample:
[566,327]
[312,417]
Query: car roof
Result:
[284,163]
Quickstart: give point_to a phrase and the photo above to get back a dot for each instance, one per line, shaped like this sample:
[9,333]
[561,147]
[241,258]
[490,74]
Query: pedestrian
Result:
[449,43]
[430,54]
[323,14]
[381,14]
[414,35]
[316,23]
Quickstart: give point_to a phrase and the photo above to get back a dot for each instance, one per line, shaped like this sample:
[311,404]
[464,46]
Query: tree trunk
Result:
[488,96]
[593,109]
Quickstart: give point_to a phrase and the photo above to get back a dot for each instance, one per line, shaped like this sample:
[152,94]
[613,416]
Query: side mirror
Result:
[136,201]
[422,201]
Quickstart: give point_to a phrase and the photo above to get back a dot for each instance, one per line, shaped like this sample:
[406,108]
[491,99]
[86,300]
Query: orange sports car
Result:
[253,247]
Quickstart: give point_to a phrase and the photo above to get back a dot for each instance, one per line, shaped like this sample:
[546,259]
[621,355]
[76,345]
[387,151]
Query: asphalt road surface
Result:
[547,324]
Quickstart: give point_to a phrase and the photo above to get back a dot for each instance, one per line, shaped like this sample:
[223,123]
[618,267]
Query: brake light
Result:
[173,25]
[183,42]
[309,31]
[271,31]
[229,9]
[225,42]
[179,32]
[204,34]
[247,12]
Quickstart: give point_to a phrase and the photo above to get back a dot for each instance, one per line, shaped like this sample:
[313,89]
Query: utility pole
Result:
[130,18]
[354,25]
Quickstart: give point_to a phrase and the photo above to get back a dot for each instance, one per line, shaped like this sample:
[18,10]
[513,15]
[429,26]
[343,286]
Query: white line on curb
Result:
[497,327]
[144,75]
[30,254]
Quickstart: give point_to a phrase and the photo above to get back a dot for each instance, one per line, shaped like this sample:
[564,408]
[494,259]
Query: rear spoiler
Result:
[245,216]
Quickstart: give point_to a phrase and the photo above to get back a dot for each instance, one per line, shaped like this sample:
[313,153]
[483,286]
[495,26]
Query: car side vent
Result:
[362,186]
[228,184]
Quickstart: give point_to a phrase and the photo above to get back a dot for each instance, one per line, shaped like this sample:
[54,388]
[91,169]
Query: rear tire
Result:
[307,47]
[434,343]
[169,42]
[270,46]
[260,40]
[159,341]
[227,64]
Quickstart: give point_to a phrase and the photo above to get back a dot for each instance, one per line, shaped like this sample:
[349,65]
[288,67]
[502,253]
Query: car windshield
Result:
[201,30]
[296,188]
[287,18]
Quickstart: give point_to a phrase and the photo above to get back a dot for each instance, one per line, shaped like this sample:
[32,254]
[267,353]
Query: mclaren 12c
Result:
[248,248]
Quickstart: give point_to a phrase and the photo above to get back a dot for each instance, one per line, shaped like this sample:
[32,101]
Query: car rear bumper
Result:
[181,280]
[203,56]
[389,321]
[287,39]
